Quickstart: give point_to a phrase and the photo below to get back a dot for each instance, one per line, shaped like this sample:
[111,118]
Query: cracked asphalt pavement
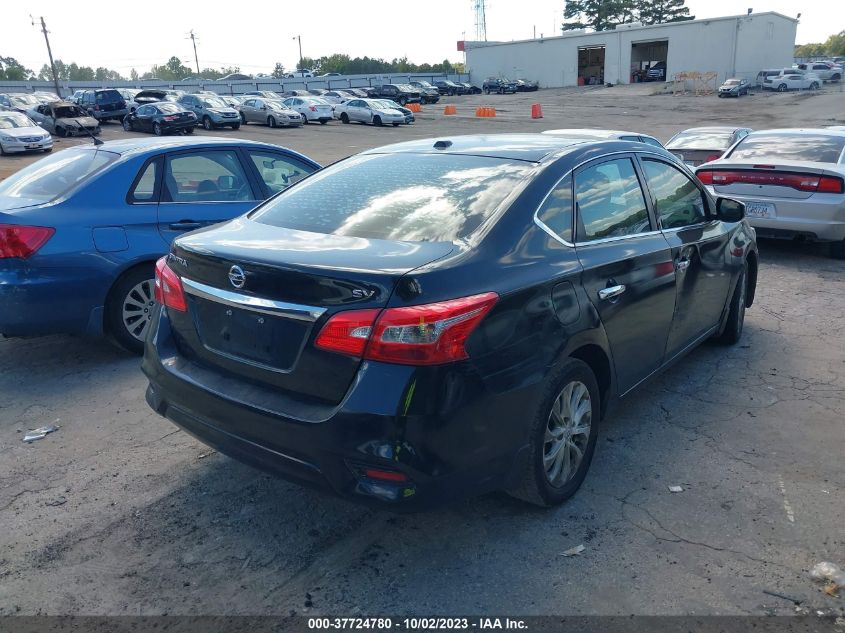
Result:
[117,512]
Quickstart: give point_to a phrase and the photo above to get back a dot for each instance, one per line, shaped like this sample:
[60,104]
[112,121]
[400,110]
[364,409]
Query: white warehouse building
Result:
[736,46]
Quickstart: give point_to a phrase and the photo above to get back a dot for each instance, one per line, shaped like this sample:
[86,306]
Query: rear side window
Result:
[556,210]
[816,148]
[145,189]
[422,197]
[610,201]
[108,96]
[52,177]
[677,200]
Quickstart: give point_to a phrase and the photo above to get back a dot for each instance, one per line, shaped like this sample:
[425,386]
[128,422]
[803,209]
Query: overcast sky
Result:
[254,36]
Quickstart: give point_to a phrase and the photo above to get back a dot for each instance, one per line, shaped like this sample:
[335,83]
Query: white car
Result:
[826,71]
[300,74]
[311,108]
[794,79]
[373,111]
[128,95]
[792,182]
[19,133]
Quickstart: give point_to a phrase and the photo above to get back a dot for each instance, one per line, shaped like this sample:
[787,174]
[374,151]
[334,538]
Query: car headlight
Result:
[7,139]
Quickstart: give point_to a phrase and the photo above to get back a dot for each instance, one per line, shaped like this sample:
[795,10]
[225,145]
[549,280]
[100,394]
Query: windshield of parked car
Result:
[405,197]
[22,101]
[700,140]
[68,111]
[276,105]
[814,148]
[214,103]
[11,120]
[381,104]
[52,177]
[732,82]
[315,101]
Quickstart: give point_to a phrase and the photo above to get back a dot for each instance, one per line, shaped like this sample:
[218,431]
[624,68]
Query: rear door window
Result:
[145,186]
[556,211]
[206,176]
[277,170]
[678,202]
[610,201]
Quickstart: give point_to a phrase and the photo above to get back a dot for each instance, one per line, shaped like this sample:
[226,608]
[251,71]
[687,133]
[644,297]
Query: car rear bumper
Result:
[171,126]
[810,219]
[440,427]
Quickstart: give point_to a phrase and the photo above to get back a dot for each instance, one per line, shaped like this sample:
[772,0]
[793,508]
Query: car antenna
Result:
[97,142]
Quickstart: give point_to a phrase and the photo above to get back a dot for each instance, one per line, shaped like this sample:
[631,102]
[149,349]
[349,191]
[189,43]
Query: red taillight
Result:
[385,475]
[168,289]
[428,334]
[831,184]
[171,117]
[22,241]
[312,108]
[802,182]
[347,332]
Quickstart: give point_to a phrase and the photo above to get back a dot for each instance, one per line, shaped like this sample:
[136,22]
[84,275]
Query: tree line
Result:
[834,46]
[174,70]
[604,15]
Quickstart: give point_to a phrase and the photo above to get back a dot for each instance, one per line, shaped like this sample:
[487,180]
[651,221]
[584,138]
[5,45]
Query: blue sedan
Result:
[80,231]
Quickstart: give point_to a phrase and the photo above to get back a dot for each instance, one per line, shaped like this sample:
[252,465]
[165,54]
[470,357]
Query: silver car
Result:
[212,112]
[19,133]
[600,135]
[271,112]
[311,108]
[792,183]
[373,111]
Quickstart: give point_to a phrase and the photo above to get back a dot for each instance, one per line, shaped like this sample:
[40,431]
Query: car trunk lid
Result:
[796,181]
[258,295]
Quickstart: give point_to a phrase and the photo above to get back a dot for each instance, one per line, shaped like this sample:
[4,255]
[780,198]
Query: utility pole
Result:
[49,53]
[194,42]
[298,38]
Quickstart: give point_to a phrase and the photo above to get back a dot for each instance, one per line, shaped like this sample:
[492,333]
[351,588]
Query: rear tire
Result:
[271,121]
[207,124]
[189,130]
[236,126]
[344,118]
[157,129]
[134,291]
[243,119]
[553,426]
[377,121]
[782,88]
[127,124]
[736,313]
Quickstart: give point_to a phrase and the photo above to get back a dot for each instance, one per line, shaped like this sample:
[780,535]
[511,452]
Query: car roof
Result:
[130,146]
[527,147]
[714,129]
[801,131]
[590,133]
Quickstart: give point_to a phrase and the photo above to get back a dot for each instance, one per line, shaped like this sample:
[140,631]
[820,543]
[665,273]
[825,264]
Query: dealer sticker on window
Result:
[760,210]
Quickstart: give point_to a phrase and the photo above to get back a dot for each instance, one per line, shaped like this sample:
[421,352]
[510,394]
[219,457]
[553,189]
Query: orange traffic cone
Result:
[536,111]
[450,109]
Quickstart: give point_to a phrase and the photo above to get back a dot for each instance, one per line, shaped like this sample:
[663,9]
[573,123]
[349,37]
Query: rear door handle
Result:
[185,225]
[612,292]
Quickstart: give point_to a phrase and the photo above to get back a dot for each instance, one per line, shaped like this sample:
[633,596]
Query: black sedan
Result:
[437,319]
[160,118]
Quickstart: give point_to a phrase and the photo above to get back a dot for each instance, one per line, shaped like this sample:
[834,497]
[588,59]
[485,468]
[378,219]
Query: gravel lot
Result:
[119,513]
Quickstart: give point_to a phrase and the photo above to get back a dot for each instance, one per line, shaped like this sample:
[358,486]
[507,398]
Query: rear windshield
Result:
[406,197]
[108,96]
[168,107]
[814,148]
[51,177]
[700,140]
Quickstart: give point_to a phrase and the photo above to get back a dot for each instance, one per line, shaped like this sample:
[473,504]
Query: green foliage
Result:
[73,72]
[603,15]
[12,70]
[340,63]
[278,71]
[834,46]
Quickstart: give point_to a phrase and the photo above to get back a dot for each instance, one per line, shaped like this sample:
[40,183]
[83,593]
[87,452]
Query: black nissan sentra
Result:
[441,318]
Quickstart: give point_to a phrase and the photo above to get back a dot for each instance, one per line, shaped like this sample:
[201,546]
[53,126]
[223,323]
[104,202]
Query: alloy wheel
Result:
[138,309]
[567,433]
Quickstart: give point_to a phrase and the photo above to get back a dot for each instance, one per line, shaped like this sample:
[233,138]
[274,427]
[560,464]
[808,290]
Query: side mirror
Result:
[264,107]
[729,210]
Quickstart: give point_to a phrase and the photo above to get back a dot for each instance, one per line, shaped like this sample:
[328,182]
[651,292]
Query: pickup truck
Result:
[400,93]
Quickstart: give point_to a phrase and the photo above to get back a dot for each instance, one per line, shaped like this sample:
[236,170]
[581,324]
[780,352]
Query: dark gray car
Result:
[63,118]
